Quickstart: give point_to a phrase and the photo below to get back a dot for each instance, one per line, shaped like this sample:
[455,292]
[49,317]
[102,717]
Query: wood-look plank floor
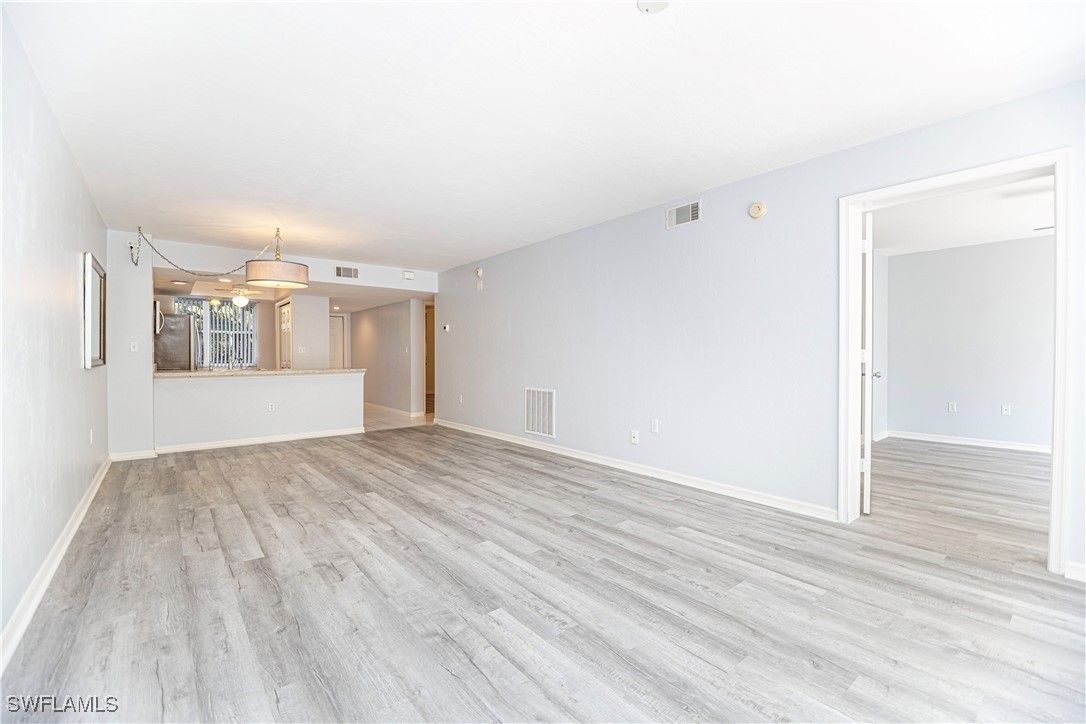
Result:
[429,574]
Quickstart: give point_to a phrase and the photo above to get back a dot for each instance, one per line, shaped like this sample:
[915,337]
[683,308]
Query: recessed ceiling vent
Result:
[539,411]
[685,214]
[347,272]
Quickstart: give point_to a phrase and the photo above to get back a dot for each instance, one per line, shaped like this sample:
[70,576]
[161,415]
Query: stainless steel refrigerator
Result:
[175,341]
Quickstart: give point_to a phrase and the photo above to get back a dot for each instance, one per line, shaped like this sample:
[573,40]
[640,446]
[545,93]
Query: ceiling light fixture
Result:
[225,280]
[335,309]
[646,6]
[215,302]
[240,300]
[276,273]
[178,282]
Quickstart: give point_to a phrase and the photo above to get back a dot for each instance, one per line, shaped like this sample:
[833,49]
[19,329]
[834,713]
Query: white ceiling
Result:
[1016,210]
[428,135]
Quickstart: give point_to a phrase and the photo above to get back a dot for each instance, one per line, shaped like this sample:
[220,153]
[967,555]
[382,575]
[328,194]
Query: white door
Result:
[285,337]
[335,343]
[866,365]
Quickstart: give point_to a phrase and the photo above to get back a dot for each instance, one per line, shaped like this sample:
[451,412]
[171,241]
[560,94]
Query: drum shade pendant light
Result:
[276,273]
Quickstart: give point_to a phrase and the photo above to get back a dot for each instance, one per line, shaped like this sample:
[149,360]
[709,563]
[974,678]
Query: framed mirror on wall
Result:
[94,312]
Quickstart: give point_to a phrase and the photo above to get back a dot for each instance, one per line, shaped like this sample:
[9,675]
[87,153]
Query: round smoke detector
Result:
[651,7]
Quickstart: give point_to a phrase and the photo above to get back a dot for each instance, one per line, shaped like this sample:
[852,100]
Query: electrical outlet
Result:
[92,436]
[635,437]
[1005,410]
[134,347]
[461,399]
[271,407]
[952,407]
[655,425]
[301,350]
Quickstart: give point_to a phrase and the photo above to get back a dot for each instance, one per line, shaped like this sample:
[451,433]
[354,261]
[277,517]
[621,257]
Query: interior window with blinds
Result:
[225,334]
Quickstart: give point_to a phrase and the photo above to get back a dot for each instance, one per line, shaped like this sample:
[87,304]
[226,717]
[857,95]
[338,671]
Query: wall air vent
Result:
[347,272]
[685,214]
[539,411]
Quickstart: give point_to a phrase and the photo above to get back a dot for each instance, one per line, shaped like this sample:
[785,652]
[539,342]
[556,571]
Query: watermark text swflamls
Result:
[52,704]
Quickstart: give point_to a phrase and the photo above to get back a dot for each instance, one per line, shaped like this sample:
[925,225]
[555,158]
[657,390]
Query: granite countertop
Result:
[178,374]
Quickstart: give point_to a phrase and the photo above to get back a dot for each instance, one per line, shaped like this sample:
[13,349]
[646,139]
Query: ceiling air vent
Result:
[347,272]
[685,214]
[539,411]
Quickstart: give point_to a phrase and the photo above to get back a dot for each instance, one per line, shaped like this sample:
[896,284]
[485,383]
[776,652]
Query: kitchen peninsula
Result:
[201,409]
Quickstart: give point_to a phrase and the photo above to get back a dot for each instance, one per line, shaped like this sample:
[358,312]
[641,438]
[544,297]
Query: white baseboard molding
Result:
[390,409]
[880,436]
[712,486]
[240,442]
[1075,571]
[137,455]
[28,604]
[975,441]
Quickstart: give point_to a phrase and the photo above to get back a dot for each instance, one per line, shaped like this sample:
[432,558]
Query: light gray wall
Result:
[725,330]
[381,340]
[129,320]
[974,325]
[50,403]
[309,326]
[880,281]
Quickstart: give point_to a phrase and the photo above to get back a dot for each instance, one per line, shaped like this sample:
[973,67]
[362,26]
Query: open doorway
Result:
[430,357]
[953,360]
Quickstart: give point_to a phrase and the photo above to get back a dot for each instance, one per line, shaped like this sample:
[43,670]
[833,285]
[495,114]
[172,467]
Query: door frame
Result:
[278,336]
[345,339]
[851,212]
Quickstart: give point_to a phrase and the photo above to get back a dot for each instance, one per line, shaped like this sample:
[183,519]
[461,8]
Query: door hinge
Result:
[863,355]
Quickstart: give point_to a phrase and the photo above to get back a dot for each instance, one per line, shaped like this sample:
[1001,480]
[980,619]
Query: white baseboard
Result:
[28,604]
[137,455]
[975,441]
[390,409]
[712,486]
[880,436]
[1075,571]
[216,444]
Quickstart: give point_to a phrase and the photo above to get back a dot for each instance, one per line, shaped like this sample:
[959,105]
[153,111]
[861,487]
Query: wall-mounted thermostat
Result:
[757,210]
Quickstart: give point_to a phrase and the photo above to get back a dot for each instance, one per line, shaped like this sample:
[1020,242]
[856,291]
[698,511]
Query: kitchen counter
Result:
[197,410]
[248,372]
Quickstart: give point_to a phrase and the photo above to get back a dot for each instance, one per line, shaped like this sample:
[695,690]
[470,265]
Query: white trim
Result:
[240,442]
[394,410]
[881,436]
[974,441]
[28,604]
[1075,571]
[136,455]
[712,486]
[850,209]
